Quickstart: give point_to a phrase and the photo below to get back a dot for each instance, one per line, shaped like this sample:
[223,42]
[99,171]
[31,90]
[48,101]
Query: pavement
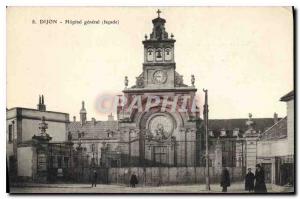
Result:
[113,188]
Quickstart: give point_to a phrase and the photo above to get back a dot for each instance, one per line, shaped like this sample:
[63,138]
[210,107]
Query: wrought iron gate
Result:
[68,164]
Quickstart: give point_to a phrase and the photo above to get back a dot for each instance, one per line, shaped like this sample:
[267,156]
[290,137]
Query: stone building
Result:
[158,132]
[21,125]
[95,137]
[148,134]
[227,140]
[275,149]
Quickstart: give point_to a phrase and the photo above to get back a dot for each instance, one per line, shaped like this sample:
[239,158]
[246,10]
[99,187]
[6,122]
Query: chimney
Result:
[94,120]
[275,118]
[74,118]
[110,117]
[41,106]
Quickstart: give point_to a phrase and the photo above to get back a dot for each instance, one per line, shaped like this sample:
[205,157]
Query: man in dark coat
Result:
[94,178]
[225,180]
[249,181]
[260,185]
[133,180]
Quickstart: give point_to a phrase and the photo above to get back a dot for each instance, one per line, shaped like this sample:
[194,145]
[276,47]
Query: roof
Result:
[100,128]
[229,125]
[288,96]
[91,129]
[158,20]
[31,109]
[277,131]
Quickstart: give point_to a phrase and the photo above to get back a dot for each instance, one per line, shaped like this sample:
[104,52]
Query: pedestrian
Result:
[249,181]
[94,178]
[225,180]
[260,185]
[133,180]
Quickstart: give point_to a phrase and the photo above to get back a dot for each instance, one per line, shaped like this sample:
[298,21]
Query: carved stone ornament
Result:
[178,80]
[140,82]
[161,127]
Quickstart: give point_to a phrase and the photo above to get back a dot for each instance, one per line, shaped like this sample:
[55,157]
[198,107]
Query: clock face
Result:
[159,77]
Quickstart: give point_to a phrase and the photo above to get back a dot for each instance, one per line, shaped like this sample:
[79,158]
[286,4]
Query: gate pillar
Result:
[218,157]
[40,143]
[251,137]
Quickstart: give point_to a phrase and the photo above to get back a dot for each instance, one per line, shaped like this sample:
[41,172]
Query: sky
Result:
[243,56]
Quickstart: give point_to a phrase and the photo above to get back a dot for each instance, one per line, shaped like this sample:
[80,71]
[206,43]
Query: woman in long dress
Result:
[260,185]
[225,180]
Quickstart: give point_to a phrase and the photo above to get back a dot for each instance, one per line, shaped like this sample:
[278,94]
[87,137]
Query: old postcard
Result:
[150,100]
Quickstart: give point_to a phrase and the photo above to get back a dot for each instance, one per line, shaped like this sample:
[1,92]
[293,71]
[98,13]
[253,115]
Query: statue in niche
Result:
[159,132]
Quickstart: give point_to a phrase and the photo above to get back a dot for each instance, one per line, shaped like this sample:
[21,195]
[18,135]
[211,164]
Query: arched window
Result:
[159,54]
[150,54]
[168,54]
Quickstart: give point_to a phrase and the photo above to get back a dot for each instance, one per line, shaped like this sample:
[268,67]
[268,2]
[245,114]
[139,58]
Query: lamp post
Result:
[129,147]
[205,115]
[93,150]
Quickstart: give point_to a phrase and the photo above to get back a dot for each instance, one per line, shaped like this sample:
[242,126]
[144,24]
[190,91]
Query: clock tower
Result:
[162,133]
[159,64]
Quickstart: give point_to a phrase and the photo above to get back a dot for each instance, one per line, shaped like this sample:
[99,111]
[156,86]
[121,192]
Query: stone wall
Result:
[271,148]
[25,162]
[26,124]
[57,130]
[155,176]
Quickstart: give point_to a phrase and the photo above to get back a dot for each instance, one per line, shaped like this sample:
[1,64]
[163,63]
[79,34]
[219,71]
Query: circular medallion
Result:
[161,127]
[159,77]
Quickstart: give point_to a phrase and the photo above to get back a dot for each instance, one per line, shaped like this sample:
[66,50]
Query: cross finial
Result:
[158,13]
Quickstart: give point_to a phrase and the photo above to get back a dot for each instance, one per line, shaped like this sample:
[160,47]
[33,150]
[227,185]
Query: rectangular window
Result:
[10,133]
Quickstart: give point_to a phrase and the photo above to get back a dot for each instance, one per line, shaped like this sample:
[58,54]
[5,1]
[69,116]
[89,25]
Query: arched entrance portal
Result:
[158,138]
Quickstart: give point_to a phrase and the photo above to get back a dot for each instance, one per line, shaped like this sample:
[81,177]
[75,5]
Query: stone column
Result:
[192,147]
[183,147]
[174,151]
[218,157]
[251,137]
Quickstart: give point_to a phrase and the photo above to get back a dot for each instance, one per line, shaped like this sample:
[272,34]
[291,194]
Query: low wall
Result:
[25,161]
[154,176]
[149,176]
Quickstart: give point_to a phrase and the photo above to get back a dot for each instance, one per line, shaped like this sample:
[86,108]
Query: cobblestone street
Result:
[85,188]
